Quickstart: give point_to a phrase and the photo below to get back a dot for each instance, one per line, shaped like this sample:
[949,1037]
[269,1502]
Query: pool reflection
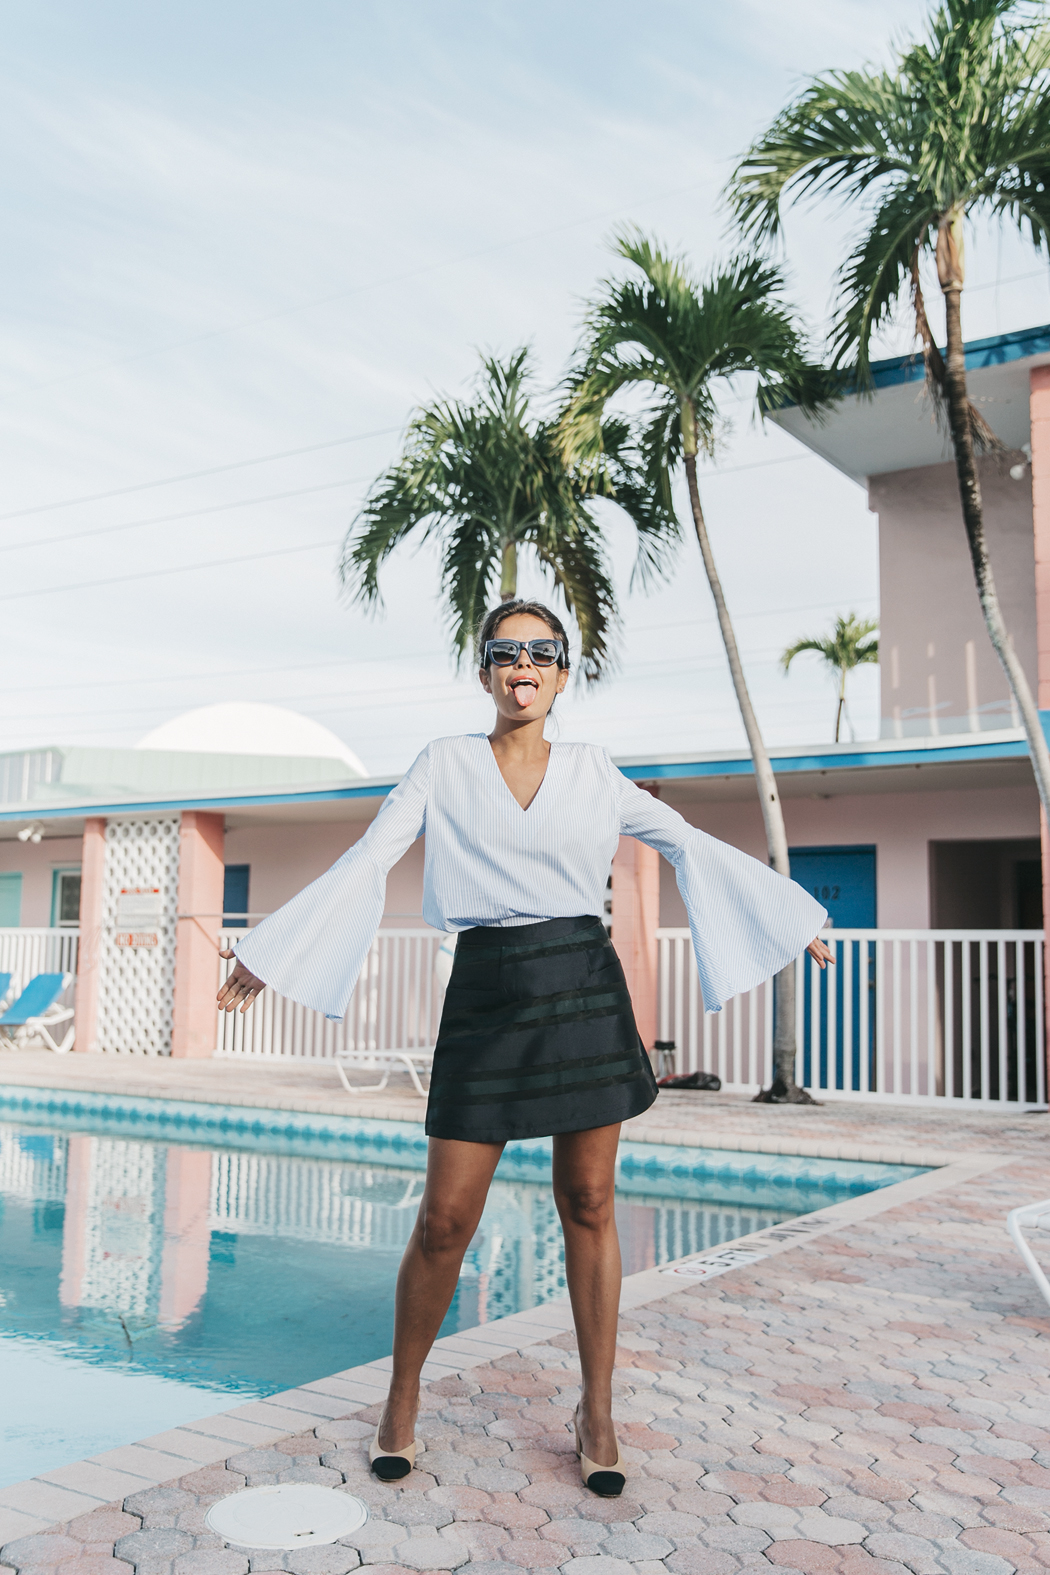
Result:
[252,1272]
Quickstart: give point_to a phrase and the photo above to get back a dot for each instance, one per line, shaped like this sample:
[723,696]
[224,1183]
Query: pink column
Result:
[187,1236]
[635,919]
[89,948]
[201,868]
[74,1223]
[1039,409]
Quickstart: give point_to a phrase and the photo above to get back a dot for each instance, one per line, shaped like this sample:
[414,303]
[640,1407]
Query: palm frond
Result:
[581,575]
[852,642]
[960,124]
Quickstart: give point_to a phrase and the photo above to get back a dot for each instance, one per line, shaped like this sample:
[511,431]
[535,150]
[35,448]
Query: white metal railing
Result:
[912,1015]
[396,1006]
[26,952]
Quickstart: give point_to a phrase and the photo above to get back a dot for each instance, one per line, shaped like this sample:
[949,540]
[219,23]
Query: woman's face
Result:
[524,692]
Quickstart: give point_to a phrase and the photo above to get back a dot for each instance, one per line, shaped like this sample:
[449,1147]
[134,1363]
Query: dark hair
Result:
[520,609]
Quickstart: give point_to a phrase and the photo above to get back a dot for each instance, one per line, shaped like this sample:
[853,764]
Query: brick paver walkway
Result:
[874,1400]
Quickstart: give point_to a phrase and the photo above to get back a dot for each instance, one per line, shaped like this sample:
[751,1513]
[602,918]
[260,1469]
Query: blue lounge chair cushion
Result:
[5,984]
[38,995]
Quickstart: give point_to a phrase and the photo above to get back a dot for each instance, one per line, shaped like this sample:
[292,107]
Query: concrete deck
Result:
[868,1392]
[892,1134]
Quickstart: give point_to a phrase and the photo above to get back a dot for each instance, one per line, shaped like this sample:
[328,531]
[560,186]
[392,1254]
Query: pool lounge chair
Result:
[36,1013]
[385,1061]
[1030,1214]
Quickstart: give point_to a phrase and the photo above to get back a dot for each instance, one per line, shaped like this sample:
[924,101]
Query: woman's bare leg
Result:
[584,1178]
[457,1184]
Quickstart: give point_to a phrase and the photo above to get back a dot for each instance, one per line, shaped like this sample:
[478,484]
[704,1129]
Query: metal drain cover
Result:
[287,1515]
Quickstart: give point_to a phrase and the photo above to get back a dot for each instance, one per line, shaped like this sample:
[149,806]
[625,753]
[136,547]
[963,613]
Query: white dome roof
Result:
[246,727]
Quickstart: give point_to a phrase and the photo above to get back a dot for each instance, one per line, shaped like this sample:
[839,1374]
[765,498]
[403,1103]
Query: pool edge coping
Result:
[64,1493]
[662,1136]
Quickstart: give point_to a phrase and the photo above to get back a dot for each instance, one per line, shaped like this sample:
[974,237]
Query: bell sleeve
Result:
[746,921]
[313,949]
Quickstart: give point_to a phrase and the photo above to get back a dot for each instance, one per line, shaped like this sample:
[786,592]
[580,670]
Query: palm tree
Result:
[677,340]
[852,643]
[958,128]
[486,478]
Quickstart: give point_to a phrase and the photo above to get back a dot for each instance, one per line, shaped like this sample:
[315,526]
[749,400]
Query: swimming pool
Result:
[150,1274]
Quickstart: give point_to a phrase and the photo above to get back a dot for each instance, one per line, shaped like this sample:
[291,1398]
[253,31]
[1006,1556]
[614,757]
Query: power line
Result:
[263,459]
[342,662]
[1016,278]
[194,475]
[272,497]
[187,514]
[714,659]
[178,568]
[402,656]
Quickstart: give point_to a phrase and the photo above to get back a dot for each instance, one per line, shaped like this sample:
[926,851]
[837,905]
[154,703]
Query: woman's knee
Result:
[589,1205]
[443,1228]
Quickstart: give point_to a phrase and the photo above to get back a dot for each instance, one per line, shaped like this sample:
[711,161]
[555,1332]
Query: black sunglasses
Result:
[542,653]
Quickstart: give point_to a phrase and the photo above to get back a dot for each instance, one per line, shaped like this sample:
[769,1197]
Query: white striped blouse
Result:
[490,862]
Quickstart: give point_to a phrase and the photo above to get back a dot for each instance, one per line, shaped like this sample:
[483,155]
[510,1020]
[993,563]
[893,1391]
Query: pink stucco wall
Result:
[901,825]
[938,671]
[285,858]
[37,865]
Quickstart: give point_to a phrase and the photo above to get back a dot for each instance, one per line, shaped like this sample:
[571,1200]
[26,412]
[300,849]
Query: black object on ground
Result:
[706,1080]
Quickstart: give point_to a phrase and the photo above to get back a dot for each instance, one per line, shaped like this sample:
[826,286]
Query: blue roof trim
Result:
[997,351]
[166,806]
[859,759]
[742,767]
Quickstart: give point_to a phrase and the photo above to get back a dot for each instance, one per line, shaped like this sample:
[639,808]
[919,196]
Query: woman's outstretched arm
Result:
[314,947]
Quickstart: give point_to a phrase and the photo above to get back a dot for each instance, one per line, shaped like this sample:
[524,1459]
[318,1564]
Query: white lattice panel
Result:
[123,1227]
[137,983]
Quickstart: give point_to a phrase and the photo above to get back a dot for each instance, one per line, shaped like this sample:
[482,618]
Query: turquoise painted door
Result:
[843,880]
[10,900]
[235,895]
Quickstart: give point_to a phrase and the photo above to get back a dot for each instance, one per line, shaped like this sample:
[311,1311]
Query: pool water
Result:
[145,1282]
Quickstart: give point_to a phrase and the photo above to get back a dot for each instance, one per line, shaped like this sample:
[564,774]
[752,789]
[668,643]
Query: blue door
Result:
[235,895]
[843,880]
[10,900]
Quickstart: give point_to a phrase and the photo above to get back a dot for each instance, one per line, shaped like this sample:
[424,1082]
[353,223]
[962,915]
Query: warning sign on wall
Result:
[140,910]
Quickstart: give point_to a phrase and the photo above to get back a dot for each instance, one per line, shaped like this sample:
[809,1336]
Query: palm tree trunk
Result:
[508,580]
[973,519]
[784,1088]
[842,702]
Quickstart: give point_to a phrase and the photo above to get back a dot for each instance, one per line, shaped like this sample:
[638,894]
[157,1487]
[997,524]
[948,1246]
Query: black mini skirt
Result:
[537,1036]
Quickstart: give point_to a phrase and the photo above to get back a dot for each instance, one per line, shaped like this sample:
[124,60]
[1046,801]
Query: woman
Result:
[537,1036]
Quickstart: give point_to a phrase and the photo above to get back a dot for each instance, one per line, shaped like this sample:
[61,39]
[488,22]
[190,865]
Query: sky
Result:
[243,241]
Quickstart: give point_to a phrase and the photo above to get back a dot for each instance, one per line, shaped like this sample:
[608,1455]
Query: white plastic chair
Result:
[1030,1214]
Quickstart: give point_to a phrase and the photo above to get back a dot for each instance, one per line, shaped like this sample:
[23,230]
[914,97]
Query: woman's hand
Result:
[240,989]
[821,954]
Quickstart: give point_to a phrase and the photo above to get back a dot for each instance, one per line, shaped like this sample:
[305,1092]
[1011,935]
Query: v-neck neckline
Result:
[526,808]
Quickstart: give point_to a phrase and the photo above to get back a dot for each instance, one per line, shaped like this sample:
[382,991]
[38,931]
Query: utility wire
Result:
[168,519]
[275,497]
[178,568]
[714,659]
[407,656]
[194,475]
[263,459]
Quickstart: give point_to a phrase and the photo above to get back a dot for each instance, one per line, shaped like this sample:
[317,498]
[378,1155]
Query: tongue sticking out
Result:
[524,694]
